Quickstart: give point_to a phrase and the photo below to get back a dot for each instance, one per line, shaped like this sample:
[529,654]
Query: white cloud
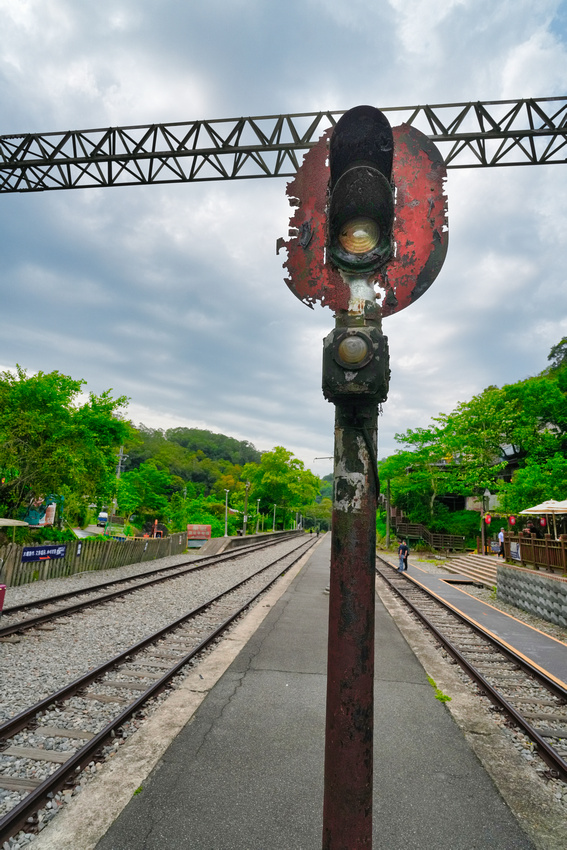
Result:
[174,296]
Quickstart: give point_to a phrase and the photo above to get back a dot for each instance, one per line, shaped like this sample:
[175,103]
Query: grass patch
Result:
[438,694]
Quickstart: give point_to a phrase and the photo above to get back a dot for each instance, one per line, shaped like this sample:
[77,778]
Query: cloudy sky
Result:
[174,295]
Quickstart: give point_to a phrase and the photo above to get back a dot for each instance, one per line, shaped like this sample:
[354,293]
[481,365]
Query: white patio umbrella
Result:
[551,507]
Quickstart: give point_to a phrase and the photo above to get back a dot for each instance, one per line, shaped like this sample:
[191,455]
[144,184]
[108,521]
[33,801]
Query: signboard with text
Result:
[43,553]
[197,535]
[199,532]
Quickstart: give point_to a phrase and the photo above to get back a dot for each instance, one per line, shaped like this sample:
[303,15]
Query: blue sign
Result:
[43,553]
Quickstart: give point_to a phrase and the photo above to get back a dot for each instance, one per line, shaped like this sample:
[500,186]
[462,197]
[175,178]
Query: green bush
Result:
[45,534]
[462,523]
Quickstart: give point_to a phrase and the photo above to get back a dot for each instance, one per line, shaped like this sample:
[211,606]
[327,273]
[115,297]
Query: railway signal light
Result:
[361,204]
[366,252]
[356,364]
[347,219]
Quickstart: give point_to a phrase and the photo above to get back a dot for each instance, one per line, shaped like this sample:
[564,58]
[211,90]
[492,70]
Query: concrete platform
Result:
[247,772]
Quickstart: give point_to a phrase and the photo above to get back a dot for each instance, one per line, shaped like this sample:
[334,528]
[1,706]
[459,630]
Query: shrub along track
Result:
[532,701]
[145,668]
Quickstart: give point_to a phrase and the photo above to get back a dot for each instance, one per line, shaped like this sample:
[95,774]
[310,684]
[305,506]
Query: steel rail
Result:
[547,753]
[32,622]
[36,603]
[15,724]
[20,815]
[529,131]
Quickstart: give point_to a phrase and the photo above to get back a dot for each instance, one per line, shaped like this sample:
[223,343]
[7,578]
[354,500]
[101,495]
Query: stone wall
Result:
[542,595]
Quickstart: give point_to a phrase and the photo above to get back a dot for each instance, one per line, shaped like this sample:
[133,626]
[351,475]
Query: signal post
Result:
[368,237]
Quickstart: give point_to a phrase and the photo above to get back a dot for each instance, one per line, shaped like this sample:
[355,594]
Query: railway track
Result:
[532,701]
[122,685]
[50,607]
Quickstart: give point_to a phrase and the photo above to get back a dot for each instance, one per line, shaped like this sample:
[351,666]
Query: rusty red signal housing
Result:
[419,233]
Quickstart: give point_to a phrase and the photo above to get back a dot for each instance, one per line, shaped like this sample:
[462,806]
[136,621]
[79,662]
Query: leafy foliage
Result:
[214,446]
[511,440]
[281,479]
[49,443]
[52,444]
[536,482]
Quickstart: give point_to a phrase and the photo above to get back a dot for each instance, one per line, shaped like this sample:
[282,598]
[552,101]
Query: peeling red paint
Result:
[420,229]
[311,279]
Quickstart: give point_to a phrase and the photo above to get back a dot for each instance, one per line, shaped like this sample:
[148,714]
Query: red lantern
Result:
[512,520]
[543,521]
[487,519]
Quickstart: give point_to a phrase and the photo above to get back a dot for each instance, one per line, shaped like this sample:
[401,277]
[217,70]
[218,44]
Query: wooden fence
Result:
[529,550]
[86,555]
[416,531]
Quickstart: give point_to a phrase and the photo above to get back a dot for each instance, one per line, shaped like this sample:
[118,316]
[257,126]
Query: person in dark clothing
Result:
[403,552]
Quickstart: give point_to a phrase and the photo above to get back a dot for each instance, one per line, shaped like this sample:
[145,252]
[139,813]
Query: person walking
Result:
[403,552]
[501,541]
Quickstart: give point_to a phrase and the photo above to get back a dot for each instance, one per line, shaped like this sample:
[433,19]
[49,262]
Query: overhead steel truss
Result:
[469,135]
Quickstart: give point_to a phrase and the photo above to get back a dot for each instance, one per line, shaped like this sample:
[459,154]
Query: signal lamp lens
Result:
[359,235]
[353,350]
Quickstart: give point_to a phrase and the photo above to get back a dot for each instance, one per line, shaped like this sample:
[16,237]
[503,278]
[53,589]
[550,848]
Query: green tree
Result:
[146,491]
[281,478]
[50,443]
[214,446]
[535,483]
[558,355]
[326,487]
[318,514]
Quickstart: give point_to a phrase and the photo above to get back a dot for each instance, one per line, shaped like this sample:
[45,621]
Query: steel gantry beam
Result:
[469,135]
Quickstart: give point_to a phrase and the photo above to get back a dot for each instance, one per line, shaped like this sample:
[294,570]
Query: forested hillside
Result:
[57,449]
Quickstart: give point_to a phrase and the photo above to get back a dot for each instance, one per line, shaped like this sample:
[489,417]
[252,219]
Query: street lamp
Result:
[257,514]
[226,513]
[245,508]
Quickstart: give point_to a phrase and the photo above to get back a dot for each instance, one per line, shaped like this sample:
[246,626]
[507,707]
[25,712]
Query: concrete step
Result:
[477,567]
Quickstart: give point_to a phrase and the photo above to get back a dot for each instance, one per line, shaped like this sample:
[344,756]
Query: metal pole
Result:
[388,514]
[274,526]
[226,513]
[347,811]
[257,514]
[349,733]
[245,508]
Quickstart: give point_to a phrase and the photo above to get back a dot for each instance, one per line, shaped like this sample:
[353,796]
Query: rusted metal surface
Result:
[420,232]
[311,279]
[420,229]
[347,811]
